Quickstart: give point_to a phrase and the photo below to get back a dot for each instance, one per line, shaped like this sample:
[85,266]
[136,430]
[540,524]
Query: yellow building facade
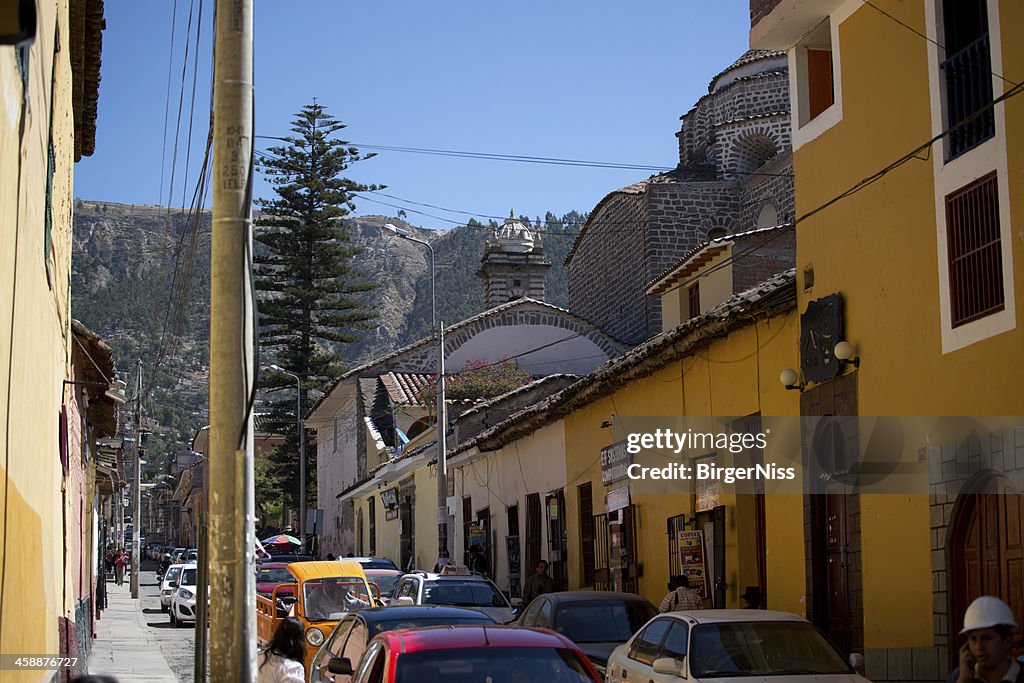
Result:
[39,143]
[925,260]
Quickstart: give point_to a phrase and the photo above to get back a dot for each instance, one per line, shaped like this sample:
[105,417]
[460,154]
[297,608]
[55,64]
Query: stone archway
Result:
[986,546]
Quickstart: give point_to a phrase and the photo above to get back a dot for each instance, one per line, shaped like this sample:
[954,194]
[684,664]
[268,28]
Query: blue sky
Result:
[592,80]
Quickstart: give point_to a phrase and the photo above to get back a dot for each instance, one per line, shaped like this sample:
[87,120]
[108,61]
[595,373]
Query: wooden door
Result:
[587,533]
[987,549]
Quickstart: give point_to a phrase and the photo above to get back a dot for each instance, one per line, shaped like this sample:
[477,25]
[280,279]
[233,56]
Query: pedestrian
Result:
[538,583]
[477,561]
[681,597]
[752,596]
[119,560]
[985,657]
[281,661]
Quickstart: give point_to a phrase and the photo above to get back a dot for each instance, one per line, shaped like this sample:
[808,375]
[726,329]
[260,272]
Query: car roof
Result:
[584,596]
[179,566]
[431,576]
[304,571]
[719,616]
[397,612]
[472,636]
[273,565]
[381,571]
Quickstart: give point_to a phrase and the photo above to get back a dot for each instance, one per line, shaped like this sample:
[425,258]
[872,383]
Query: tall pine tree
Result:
[311,296]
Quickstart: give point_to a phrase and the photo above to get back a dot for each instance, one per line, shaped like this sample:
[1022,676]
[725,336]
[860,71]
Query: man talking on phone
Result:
[985,657]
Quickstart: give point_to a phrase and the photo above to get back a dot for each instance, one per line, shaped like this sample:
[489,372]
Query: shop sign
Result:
[389,498]
[552,508]
[477,535]
[709,491]
[617,499]
[691,560]
[614,462]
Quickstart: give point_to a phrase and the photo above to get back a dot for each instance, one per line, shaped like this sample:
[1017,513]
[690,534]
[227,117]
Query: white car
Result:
[183,600]
[720,645]
[455,587]
[169,585]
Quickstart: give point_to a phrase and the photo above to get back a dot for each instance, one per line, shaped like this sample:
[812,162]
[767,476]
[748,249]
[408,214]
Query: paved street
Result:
[136,641]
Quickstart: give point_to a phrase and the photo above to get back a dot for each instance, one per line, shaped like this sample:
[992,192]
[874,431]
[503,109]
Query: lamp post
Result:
[442,414]
[302,456]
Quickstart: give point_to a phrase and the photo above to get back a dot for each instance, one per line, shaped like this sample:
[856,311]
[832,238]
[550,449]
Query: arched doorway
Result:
[986,547]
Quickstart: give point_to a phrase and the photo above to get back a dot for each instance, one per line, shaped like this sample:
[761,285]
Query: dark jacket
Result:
[537,585]
[1019,679]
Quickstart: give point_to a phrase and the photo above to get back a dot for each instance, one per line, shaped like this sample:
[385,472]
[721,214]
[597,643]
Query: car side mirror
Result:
[857,662]
[340,665]
[18,23]
[405,600]
[669,666]
[173,584]
[159,578]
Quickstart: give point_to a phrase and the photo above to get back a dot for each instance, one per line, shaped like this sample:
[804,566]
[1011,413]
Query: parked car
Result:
[703,645]
[178,555]
[503,654]
[270,575]
[183,599]
[371,562]
[597,621]
[455,587]
[352,634]
[168,585]
[285,558]
[386,580]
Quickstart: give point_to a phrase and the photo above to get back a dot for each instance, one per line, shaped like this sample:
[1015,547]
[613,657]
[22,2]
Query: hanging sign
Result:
[615,460]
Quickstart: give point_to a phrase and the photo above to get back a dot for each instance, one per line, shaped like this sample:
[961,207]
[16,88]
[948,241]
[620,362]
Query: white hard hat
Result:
[987,612]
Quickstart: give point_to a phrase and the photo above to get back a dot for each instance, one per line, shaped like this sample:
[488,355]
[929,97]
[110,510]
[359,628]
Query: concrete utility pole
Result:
[137,487]
[442,451]
[232,369]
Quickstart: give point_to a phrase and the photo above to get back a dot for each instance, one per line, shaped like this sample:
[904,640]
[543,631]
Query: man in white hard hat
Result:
[985,657]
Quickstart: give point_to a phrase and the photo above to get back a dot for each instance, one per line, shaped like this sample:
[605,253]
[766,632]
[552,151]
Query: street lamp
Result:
[302,456]
[442,414]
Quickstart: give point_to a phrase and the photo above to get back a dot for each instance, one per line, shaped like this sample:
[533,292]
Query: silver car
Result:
[456,587]
[714,645]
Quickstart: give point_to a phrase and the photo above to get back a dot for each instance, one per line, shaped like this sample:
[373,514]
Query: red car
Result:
[270,575]
[469,654]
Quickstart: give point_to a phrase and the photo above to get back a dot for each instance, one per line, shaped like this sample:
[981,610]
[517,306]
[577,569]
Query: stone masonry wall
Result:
[607,269]
[773,185]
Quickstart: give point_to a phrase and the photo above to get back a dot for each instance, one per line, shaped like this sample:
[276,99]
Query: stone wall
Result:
[775,253]
[608,261]
[772,184]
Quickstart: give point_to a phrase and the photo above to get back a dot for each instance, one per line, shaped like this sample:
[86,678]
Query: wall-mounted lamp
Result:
[844,354]
[606,424]
[790,379]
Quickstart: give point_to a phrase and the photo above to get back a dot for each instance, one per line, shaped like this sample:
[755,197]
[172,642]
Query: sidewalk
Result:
[125,646]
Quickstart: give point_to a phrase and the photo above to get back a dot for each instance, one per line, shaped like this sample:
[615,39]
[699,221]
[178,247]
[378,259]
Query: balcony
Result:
[968,91]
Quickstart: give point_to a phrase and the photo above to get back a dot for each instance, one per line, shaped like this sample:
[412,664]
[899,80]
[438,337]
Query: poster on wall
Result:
[691,560]
[477,535]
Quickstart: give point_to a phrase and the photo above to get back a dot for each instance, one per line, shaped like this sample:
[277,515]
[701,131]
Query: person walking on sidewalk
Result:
[682,597]
[281,660]
[119,560]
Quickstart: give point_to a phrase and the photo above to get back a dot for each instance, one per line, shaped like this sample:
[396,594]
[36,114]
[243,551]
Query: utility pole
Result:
[233,372]
[442,451]
[137,487]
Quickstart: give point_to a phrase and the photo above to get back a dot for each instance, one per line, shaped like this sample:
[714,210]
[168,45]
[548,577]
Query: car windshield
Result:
[274,575]
[420,622]
[762,648]
[462,594]
[330,598]
[172,574]
[496,664]
[602,621]
[188,577]
[385,582]
[378,563]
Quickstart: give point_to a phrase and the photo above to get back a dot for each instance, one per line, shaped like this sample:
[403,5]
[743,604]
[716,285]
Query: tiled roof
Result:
[695,258]
[748,57]
[406,387]
[774,296]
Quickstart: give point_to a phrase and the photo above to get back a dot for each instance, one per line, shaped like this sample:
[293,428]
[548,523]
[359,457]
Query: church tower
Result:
[513,264]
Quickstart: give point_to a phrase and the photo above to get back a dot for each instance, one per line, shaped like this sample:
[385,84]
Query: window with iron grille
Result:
[693,294]
[974,251]
[968,75]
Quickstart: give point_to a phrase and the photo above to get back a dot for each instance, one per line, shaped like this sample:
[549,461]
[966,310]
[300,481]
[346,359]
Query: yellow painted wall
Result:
[715,288]
[734,376]
[36,359]
[879,248]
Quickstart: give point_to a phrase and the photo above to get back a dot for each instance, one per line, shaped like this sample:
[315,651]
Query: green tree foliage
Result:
[480,379]
[310,291]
